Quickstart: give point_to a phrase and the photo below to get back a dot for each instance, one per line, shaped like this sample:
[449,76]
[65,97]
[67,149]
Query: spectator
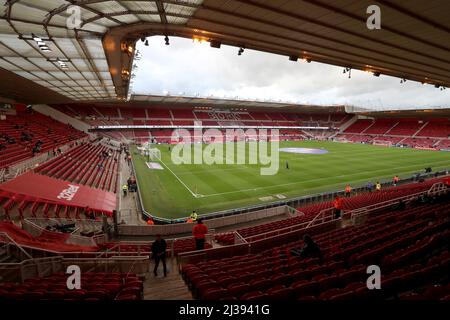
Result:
[193,216]
[125,190]
[369,186]
[199,232]
[348,190]
[338,206]
[309,250]
[378,186]
[159,254]
[150,222]
[395,180]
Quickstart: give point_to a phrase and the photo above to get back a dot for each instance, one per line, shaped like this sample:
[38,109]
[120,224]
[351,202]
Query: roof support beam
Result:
[331,8]
[134,12]
[300,31]
[161,11]
[416,16]
[333,27]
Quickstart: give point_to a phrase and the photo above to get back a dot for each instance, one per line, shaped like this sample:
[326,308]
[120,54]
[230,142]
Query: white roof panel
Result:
[87,68]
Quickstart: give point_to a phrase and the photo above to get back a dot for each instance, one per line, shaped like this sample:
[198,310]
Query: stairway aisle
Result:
[171,287]
[128,208]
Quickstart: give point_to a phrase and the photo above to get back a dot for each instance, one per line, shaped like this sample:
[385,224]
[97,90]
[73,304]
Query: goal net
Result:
[154,154]
[146,150]
[382,143]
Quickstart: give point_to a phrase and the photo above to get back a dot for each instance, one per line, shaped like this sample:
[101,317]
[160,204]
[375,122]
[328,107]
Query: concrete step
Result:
[171,287]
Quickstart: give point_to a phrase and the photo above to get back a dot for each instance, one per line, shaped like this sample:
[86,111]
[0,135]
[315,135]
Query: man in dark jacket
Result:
[309,250]
[159,254]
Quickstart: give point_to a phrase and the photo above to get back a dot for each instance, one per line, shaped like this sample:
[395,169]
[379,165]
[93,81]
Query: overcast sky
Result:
[188,68]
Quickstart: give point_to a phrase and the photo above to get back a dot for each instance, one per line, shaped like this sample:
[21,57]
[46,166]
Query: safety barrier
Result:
[186,228]
[359,214]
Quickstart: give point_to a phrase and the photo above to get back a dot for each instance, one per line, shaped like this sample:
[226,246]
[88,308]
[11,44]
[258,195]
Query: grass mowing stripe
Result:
[241,185]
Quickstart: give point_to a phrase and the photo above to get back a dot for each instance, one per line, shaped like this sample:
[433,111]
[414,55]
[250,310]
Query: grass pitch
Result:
[178,189]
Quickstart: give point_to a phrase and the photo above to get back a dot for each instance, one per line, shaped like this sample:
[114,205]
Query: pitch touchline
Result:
[293,183]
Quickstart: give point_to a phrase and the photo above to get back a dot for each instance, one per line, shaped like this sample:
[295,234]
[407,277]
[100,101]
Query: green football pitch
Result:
[176,190]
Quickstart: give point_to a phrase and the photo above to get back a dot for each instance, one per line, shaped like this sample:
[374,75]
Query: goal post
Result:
[154,154]
[382,143]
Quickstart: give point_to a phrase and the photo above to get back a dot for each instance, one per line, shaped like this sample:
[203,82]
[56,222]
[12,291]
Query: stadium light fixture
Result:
[241,51]
[376,73]
[402,80]
[293,58]
[40,43]
[349,71]
[125,74]
[166,39]
[146,43]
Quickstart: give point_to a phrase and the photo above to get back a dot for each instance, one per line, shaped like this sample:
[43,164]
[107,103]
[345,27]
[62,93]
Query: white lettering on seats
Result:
[69,193]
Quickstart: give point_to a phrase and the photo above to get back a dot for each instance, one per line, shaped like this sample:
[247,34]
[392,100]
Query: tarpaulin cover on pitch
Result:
[43,188]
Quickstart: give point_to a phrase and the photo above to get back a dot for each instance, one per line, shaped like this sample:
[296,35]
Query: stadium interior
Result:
[71,192]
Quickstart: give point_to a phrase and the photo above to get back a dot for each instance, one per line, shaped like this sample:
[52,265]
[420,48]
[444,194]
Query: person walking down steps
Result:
[159,247]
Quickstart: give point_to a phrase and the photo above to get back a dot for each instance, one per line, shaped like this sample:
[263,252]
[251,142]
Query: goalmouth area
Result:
[172,191]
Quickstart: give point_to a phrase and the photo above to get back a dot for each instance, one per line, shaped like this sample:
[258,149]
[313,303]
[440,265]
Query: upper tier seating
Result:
[381,126]
[410,246]
[359,126]
[405,127]
[92,165]
[436,128]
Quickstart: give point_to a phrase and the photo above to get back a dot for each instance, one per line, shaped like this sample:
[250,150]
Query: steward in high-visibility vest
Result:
[194,216]
[378,186]
[348,190]
[125,189]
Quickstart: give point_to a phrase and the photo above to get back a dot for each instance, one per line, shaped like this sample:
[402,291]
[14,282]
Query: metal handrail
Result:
[16,244]
[367,210]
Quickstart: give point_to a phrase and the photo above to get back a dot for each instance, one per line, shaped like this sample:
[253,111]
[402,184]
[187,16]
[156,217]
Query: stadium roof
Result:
[93,60]
[211,102]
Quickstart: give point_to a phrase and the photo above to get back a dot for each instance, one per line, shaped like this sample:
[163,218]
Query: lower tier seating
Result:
[355,202]
[94,286]
[410,246]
